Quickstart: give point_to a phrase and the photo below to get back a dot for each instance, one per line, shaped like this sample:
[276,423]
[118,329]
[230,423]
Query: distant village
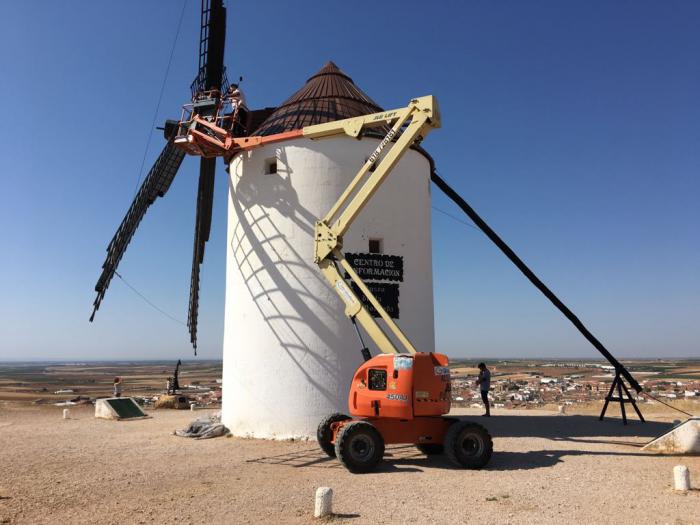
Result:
[514,383]
[529,385]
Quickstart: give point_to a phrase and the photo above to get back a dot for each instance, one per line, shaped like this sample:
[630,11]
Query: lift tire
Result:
[359,446]
[468,445]
[431,449]
[324,433]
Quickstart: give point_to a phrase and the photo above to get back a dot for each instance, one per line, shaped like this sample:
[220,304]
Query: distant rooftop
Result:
[328,95]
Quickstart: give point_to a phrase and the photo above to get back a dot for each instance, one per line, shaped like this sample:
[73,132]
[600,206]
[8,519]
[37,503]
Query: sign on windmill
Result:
[375,269]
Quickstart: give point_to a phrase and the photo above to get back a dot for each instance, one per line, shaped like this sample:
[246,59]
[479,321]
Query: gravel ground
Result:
[545,469]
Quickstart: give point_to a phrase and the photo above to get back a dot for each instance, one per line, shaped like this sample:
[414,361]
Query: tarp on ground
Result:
[204,428]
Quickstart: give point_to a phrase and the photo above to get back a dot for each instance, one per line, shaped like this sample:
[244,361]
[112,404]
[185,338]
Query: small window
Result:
[270,166]
[376,379]
[375,246]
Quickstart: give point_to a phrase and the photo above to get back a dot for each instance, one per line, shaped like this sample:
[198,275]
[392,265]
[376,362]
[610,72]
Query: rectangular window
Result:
[375,246]
[270,166]
[376,379]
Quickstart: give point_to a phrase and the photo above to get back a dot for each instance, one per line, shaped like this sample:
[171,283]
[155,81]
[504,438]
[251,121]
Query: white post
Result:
[324,502]
[66,412]
[681,478]
[192,407]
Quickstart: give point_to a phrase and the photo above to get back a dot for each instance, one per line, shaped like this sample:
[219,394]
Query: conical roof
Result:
[328,95]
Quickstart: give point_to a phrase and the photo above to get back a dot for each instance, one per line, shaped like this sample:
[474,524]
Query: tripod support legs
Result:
[619,385]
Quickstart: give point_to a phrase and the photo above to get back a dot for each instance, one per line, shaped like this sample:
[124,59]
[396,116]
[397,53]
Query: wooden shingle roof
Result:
[328,95]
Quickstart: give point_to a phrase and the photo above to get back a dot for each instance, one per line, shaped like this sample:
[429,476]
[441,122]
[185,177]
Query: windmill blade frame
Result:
[210,79]
[155,185]
[211,73]
[205,204]
[208,88]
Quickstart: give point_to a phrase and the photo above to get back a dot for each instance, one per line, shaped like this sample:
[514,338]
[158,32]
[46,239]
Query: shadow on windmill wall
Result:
[277,193]
[277,276]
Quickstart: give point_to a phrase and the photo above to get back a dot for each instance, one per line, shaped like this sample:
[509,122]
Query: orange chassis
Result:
[403,396]
[416,431]
[402,399]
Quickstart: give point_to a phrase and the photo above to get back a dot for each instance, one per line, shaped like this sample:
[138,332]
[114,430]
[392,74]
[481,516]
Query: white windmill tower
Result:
[289,351]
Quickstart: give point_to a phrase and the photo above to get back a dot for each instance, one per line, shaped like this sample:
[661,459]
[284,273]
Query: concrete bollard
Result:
[562,409]
[324,502]
[192,407]
[66,413]
[681,478]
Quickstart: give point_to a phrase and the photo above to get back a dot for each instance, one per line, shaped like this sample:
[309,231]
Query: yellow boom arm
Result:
[204,137]
[410,124]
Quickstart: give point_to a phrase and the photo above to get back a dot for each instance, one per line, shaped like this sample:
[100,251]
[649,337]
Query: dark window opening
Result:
[377,379]
[375,246]
[270,166]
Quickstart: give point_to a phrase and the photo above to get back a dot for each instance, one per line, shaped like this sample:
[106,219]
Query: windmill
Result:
[207,90]
[260,203]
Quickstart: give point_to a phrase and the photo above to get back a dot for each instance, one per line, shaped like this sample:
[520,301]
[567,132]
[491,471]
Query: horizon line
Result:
[481,358]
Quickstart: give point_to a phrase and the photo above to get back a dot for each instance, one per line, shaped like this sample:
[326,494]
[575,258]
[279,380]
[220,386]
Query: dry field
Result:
[37,383]
[545,469]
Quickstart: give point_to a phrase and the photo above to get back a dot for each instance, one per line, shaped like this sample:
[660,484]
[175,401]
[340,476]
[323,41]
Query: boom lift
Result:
[391,397]
[403,395]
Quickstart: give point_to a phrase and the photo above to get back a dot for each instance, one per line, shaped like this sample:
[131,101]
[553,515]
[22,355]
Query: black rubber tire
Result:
[468,445]
[431,449]
[359,446]
[324,435]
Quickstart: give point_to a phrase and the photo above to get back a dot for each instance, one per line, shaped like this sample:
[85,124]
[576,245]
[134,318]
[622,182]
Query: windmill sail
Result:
[212,40]
[210,77]
[205,200]
[207,91]
[155,185]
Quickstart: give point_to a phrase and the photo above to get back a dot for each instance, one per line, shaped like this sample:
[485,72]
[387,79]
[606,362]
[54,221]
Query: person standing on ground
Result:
[117,387]
[484,382]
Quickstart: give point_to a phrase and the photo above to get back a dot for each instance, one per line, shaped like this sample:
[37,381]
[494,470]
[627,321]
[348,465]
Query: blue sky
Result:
[572,127]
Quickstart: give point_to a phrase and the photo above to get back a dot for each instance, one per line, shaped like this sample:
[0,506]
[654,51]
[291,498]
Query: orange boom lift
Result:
[403,395]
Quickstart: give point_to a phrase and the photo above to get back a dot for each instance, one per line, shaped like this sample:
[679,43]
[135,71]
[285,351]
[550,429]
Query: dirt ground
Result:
[546,469]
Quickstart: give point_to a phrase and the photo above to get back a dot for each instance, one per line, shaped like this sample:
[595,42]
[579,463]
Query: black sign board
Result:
[376,266]
[386,293]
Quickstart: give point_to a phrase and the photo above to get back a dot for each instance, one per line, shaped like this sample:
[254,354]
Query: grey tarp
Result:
[204,428]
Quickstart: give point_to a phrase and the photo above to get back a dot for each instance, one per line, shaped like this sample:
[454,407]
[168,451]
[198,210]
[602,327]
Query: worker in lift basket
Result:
[235,97]
[484,382]
[236,100]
